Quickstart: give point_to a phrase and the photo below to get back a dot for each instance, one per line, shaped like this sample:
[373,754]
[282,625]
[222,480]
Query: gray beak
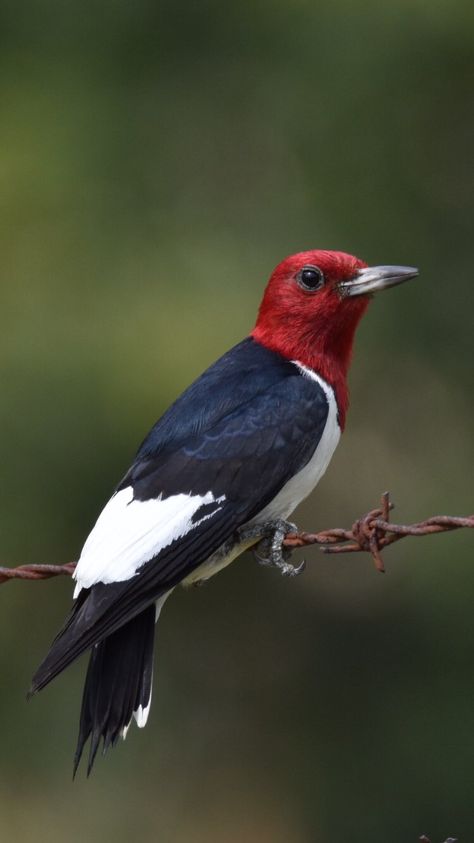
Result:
[375,278]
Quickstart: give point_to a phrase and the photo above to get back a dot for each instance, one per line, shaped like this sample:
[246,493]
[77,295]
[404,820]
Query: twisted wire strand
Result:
[369,534]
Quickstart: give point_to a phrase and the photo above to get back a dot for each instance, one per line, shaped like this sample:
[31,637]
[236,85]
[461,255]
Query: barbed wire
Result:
[373,532]
[369,534]
[35,572]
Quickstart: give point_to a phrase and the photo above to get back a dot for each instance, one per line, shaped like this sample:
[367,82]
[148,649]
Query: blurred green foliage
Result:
[156,161]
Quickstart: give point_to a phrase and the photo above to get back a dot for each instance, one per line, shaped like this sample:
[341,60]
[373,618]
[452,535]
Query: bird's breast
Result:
[298,487]
[295,490]
[226,554]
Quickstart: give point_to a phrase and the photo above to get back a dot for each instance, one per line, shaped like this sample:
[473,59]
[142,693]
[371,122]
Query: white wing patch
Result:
[130,532]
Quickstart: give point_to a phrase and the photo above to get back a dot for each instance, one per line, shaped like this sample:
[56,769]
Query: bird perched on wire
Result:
[220,472]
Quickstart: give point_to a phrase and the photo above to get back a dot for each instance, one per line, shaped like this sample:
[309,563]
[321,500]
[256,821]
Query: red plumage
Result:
[315,328]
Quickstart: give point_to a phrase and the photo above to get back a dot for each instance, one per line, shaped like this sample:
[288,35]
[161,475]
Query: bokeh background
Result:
[156,160]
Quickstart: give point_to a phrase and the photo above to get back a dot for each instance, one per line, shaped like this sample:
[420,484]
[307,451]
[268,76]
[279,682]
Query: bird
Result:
[220,472]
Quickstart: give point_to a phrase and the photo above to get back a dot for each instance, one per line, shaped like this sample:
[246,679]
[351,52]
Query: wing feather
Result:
[130,532]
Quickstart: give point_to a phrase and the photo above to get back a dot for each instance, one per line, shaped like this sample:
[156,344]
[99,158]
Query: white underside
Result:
[299,487]
[294,491]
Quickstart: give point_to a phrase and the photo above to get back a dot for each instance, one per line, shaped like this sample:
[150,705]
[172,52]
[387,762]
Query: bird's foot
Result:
[270,550]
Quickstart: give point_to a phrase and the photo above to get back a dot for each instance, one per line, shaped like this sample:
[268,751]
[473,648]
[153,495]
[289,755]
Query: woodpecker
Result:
[221,471]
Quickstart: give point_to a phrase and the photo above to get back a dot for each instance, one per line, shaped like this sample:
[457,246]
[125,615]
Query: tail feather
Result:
[118,685]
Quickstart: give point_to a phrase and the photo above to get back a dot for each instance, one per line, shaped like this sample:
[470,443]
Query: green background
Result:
[157,159]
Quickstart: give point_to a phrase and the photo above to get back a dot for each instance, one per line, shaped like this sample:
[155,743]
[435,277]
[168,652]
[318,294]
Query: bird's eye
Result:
[310,278]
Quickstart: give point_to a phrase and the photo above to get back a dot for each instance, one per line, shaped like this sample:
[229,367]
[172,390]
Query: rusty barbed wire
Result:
[369,534]
[35,572]
[374,531]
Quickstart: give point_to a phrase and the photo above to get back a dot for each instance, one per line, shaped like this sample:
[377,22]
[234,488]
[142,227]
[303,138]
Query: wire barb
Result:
[371,533]
[374,532]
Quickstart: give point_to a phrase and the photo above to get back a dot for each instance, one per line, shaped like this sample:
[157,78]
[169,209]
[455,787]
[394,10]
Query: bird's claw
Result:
[270,550]
[286,568]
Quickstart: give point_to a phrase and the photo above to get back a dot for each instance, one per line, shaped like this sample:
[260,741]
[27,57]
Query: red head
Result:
[311,308]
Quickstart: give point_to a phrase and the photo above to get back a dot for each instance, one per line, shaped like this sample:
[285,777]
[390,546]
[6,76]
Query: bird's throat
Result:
[324,346]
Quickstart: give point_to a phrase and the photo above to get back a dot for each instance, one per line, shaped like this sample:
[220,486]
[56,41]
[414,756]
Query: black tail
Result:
[118,685]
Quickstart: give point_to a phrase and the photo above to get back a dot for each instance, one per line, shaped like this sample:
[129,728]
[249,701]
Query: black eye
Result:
[310,278]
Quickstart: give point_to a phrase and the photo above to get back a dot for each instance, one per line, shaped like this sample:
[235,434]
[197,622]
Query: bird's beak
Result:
[375,278]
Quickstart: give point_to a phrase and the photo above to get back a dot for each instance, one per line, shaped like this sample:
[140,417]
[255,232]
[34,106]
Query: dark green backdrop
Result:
[156,160]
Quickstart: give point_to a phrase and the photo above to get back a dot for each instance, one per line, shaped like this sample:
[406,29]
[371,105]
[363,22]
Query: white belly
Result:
[301,484]
[288,498]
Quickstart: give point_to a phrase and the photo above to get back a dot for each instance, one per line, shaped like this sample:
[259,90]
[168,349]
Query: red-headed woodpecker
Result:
[221,471]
